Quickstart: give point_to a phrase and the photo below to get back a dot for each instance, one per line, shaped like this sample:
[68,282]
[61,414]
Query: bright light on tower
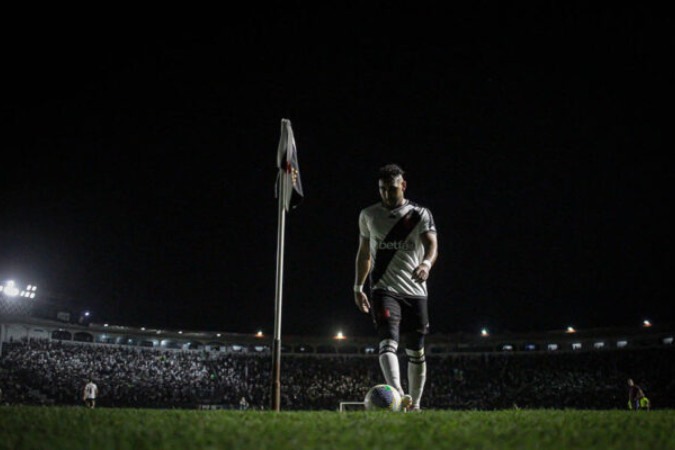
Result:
[484,332]
[259,334]
[340,336]
[10,289]
[570,329]
[646,323]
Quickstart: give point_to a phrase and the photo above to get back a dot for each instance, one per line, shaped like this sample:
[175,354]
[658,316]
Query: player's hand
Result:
[421,273]
[361,300]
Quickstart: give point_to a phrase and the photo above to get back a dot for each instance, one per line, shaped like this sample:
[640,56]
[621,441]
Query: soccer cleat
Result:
[406,403]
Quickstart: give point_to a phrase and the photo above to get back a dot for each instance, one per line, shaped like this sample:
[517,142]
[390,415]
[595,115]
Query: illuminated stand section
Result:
[16,301]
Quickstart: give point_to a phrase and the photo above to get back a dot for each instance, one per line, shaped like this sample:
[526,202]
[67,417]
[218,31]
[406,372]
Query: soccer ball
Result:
[383,397]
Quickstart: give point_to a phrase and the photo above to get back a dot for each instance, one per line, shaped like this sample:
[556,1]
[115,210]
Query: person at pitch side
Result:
[397,248]
[89,394]
[637,399]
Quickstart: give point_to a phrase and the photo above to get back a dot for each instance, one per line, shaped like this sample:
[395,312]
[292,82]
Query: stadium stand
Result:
[45,364]
[47,353]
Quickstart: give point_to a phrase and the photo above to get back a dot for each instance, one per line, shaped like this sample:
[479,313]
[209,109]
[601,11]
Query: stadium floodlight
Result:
[10,289]
[646,323]
[340,336]
[570,329]
[259,334]
[484,332]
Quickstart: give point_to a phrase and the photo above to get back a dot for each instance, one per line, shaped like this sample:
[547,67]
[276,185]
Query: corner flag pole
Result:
[276,344]
[290,193]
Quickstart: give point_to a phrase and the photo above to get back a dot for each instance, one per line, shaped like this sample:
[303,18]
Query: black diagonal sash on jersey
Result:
[399,232]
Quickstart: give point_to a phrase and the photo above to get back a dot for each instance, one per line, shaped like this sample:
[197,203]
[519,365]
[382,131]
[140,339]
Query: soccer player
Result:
[397,248]
[89,394]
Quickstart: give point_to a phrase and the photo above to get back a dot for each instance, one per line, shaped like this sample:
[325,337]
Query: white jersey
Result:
[90,391]
[395,245]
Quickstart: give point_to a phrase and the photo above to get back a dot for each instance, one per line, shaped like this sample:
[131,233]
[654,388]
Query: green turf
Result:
[80,428]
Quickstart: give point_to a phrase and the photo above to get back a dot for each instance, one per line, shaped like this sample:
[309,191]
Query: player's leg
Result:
[387,317]
[417,367]
[415,327]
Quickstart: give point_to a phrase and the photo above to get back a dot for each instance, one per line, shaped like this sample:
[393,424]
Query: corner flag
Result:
[289,192]
[289,184]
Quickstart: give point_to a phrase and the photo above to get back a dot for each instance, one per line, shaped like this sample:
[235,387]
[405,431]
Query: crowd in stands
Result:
[54,372]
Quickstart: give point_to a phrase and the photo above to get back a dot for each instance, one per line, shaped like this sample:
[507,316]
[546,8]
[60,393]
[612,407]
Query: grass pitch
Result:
[80,428]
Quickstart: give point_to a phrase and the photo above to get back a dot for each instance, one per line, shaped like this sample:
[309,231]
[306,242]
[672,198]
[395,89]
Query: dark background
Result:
[139,160]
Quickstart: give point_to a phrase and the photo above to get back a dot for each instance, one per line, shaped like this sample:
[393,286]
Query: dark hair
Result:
[389,172]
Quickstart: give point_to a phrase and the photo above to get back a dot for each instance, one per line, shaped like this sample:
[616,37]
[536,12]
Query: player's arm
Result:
[430,244]
[362,270]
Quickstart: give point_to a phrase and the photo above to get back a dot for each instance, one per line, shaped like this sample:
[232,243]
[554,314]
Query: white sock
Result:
[389,364]
[417,374]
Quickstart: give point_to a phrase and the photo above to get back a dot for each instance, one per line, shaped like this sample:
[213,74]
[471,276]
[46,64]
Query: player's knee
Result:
[388,332]
[414,341]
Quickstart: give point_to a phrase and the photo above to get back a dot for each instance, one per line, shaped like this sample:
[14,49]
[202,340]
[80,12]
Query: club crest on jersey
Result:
[396,245]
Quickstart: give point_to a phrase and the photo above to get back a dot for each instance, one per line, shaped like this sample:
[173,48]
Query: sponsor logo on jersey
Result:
[396,245]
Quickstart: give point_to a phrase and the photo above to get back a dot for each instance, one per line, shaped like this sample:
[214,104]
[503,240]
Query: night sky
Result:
[139,163]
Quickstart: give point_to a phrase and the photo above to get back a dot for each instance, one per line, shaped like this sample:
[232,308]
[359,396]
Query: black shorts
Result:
[395,314]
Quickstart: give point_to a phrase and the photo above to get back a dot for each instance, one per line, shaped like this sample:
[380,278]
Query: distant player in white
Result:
[89,394]
[397,248]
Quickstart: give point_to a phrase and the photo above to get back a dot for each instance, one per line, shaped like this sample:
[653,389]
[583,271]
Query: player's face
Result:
[392,191]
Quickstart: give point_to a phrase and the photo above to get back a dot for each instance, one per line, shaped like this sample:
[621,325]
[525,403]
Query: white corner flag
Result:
[289,184]
[290,194]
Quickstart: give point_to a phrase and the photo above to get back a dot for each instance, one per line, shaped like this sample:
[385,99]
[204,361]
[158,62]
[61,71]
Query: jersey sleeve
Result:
[364,231]
[427,222]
